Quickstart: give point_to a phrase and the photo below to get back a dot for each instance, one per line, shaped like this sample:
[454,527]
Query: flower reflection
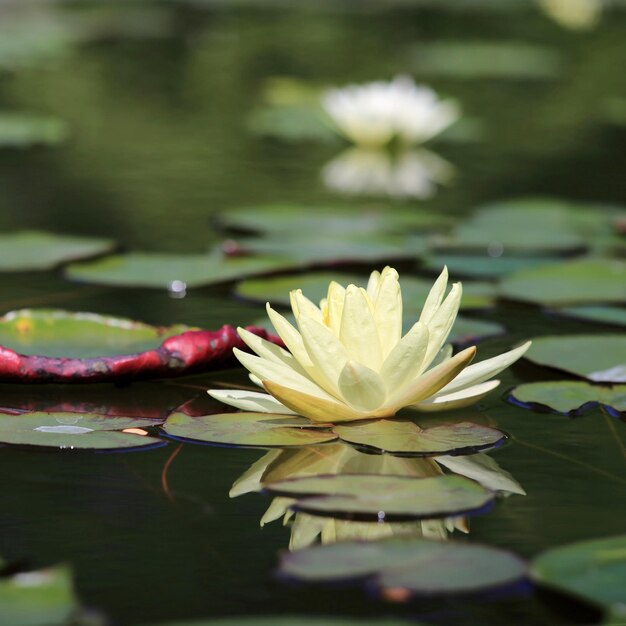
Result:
[371,172]
[574,14]
[339,458]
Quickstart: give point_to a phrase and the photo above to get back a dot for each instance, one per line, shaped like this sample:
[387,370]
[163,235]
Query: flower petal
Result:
[405,360]
[388,311]
[432,381]
[484,370]
[254,401]
[315,408]
[290,336]
[435,297]
[268,350]
[372,284]
[276,509]
[362,388]
[300,304]
[458,399]
[358,329]
[334,302]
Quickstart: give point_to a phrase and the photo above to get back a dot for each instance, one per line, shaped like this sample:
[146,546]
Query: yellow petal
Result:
[245,400]
[268,350]
[372,284]
[358,329]
[334,300]
[362,388]
[315,408]
[290,336]
[432,381]
[300,304]
[405,360]
[388,311]
[435,297]
[456,400]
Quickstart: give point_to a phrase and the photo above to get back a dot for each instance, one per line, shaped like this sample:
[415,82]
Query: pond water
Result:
[159,100]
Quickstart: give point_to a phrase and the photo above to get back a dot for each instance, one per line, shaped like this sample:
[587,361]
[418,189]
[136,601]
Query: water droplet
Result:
[178,289]
[64,430]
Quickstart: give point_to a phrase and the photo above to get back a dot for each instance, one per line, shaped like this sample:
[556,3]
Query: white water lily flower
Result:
[348,360]
[376,113]
[372,172]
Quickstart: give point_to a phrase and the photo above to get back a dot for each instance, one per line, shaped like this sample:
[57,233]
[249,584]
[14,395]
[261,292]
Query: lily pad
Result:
[391,498]
[599,358]
[294,122]
[294,620]
[613,315]
[163,271]
[406,437]
[34,250]
[88,431]
[37,598]
[53,345]
[485,266]
[593,570]
[315,286]
[21,130]
[574,282]
[421,566]
[247,429]
[570,397]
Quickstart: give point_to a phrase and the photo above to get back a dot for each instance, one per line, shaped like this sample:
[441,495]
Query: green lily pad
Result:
[467,329]
[21,130]
[484,266]
[613,315]
[247,429]
[294,122]
[164,271]
[287,219]
[74,431]
[315,286]
[599,358]
[571,397]
[422,566]
[406,437]
[293,620]
[573,282]
[34,250]
[392,498]
[57,333]
[487,59]
[593,570]
[38,598]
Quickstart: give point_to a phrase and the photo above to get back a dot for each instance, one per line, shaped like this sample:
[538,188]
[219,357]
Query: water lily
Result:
[377,113]
[348,360]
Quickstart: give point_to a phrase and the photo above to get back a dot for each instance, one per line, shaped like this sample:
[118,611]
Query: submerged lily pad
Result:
[53,345]
[406,437]
[21,130]
[599,314]
[392,498]
[421,566]
[573,282]
[247,429]
[572,397]
[34,250]
[162,271]
[593,570]
[37,598]
[87,431]
[314,285]
[599,358]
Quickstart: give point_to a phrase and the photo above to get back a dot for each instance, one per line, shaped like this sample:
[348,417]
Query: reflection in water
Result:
[574,14]
[371,172]
[339,458]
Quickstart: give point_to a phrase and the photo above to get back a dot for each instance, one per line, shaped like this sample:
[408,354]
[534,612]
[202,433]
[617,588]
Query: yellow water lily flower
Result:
[348,360]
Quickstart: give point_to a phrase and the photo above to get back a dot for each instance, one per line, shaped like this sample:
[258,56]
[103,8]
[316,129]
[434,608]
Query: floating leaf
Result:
[484,266]
[599,358]
[34,250]
[294,620]
[159,270]
[586,280]
[247,429]
[406,437]
[467,329]
[599,314]
[37,598]
[593,570]
[487,59]
[21,130]
[52,345]
[87,431]
[570,396]
[295,122]
[418,565]
[393,498]
[315,286]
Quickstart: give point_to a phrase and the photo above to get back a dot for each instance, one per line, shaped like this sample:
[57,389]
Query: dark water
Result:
[158,145]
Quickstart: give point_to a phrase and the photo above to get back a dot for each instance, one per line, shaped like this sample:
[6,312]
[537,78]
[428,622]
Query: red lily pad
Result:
[56,346]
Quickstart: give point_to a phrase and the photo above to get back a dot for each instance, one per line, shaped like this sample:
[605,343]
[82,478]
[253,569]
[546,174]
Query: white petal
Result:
[457,400]
[254,401]
[300,305]
[372,284]
[334,302]
[479,372]
[268,350]
[361,387]
[435,297]
[388,311]
[290,336]
[358,329]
